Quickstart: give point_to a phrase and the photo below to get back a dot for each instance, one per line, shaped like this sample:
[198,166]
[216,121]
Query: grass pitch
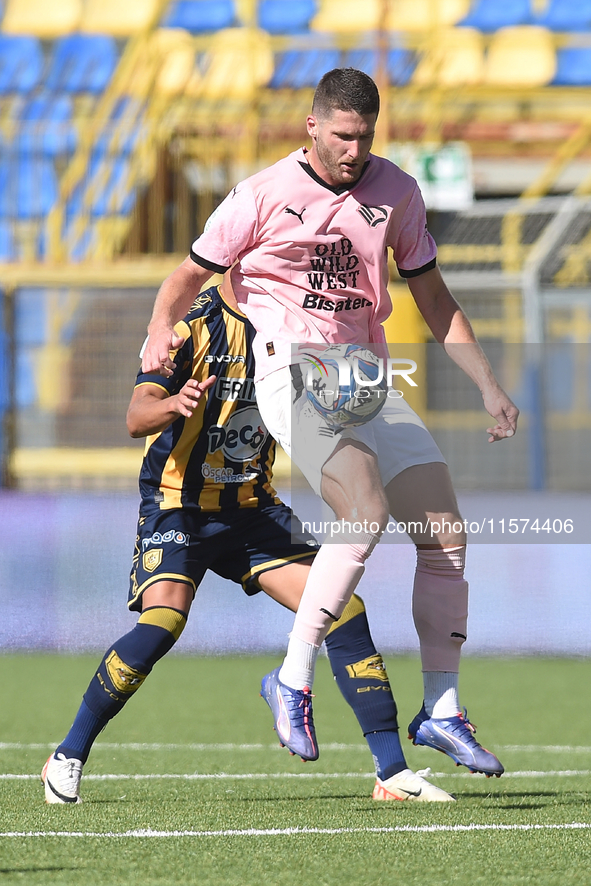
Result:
[188,785]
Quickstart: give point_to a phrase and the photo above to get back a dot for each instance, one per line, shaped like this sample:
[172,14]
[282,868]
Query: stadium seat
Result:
[456,60]
[177,53]
[117,18]
[82,63]
[573,66]
[299,69]
[45,126]
[521,56]
[420,15]
[41,18]
[28,187]
[347,16]
[400,63]
[566,15]
[490,15]
[279,17]
[21,64]
[7,250]
[201,16]
[104,191]
[240,61]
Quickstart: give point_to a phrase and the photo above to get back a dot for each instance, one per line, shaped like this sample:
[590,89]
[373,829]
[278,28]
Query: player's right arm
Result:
[152,409]
[174,299]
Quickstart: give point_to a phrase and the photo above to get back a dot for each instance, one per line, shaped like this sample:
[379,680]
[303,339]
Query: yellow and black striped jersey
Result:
[222,456]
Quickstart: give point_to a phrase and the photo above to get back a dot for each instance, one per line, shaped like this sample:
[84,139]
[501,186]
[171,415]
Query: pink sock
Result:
[334,575]
[440,607]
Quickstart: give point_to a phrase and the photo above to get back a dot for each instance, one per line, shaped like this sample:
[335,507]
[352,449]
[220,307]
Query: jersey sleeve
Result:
[182,357]
[414,248]
[228,232]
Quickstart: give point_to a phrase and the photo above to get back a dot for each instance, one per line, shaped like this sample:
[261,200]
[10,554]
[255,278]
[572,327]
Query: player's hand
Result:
[156,351]
[187,399]
[502,408]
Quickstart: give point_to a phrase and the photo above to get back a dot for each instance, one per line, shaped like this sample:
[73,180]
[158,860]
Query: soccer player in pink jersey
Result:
[306,241]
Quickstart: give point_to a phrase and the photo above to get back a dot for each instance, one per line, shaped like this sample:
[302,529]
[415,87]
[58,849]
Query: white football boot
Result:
[61,778]
[409,785]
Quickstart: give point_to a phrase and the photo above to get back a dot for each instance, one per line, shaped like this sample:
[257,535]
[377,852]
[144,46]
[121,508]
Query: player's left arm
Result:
[451,328]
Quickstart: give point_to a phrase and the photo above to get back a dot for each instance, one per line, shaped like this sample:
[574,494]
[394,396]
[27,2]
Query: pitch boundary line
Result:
[294,832]
[259,776]
[204,746]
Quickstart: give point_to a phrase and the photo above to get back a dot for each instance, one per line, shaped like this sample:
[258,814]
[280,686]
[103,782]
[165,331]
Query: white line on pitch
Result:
[294,832]
[202,746]
[253,776]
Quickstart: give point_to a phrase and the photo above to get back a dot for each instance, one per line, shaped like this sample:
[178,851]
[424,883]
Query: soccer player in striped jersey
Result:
[207,503]
[307,242]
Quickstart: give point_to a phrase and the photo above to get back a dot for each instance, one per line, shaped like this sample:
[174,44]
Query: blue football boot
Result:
[454,736]
[292,712]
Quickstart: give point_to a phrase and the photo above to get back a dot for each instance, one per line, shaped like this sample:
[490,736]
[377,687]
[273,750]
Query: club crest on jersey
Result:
[372,667]
[152,559]
[373,215]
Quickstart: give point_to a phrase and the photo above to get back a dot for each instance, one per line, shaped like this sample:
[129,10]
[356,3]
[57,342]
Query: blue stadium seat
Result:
[573,66]
[566,15]
[28,187]
[112,195]
[45,126]
[280,17]
[490,15]
[400,63]
[82,63]
[200,16]
[296,69]
[21,64]
[7,250]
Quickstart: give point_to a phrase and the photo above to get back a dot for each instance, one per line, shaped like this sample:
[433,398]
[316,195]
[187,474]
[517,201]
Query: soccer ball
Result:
[349,404]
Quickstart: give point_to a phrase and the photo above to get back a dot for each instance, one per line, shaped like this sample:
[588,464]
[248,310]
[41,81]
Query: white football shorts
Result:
[397,435]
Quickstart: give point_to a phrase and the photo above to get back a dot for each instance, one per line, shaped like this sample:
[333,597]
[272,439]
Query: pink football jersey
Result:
[309,261]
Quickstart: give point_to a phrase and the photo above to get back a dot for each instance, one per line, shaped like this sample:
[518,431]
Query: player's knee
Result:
[448,529]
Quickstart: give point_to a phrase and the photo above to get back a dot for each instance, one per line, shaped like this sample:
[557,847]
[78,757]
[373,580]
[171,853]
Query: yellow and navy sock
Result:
[122,671]
[361,676]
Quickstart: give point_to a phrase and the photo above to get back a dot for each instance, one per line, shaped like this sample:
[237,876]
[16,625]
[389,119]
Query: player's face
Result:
[340,146]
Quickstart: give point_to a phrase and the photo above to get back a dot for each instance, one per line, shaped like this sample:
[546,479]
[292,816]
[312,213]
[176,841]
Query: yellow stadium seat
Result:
[347,16]
[241,61]
[520,56]
[456,59]
[42,18]
[177,52]
[420,15]
[120,18]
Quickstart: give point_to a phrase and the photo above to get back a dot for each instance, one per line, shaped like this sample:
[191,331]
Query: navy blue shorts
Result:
[182,544]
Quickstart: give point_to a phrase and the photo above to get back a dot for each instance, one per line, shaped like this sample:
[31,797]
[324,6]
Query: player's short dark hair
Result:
[345,89]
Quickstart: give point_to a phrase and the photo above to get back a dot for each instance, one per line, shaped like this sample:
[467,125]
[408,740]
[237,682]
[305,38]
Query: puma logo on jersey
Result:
[297,214]
[373,215]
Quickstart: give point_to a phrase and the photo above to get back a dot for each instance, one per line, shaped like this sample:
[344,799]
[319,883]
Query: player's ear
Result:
[312,126]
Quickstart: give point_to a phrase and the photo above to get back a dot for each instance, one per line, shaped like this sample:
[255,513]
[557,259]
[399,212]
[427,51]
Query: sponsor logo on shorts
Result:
[372,668]
[123,678]
[152,559]
[320,303]
[162,538]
